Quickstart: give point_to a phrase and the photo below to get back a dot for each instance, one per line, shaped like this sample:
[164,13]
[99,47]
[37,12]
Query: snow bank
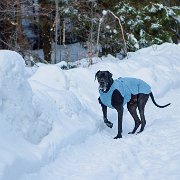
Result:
[83,141]
[24,112]
[58,111]
[65,90]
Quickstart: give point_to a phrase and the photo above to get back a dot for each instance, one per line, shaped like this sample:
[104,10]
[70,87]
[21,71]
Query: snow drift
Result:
[51,123]
[24,112]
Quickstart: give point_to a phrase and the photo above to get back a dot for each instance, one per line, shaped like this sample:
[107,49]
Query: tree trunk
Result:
[20,39]
[45,29]
[56,31]
[90,51]
[64,44]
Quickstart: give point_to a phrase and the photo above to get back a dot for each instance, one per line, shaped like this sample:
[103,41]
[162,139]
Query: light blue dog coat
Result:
[126,86]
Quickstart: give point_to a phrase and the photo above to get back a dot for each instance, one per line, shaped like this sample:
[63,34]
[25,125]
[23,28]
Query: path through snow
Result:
[154,154]
[66,138]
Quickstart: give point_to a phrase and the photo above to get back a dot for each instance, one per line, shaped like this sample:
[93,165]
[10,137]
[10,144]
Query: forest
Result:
[101,27]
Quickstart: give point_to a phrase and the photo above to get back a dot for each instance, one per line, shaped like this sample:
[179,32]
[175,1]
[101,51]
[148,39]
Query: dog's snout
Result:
[102,82]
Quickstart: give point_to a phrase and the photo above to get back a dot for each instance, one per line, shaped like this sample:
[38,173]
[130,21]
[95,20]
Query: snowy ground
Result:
[51,124]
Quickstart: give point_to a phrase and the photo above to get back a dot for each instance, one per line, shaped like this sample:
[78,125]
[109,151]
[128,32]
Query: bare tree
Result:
[45,23]
[57,20]
[12,35]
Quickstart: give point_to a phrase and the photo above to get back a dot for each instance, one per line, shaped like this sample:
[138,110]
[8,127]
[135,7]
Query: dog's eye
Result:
[106,76]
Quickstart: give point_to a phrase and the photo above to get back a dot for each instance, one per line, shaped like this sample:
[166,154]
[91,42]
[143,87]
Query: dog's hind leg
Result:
[132,109]
[142,100]
[117,103]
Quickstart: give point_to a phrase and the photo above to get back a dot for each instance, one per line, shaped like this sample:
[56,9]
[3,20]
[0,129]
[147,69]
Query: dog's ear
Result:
[96,74]
[109,74]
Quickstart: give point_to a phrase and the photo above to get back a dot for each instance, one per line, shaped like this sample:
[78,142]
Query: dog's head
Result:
[104,79]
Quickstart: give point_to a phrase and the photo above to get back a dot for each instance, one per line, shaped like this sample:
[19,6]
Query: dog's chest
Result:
[106,97]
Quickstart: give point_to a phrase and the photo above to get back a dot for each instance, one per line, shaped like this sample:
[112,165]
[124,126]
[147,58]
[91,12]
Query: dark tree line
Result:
[27,25]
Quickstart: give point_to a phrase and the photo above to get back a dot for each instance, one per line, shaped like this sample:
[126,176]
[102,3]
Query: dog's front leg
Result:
[104,110]
[120,116]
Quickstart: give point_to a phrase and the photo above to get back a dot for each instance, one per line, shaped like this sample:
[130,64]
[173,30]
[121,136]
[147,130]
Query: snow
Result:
[18,106]
[133,40]
[155,8]
[114,31]
[108,27]
[104,12]
[51,124]
[155,26]
[177,18]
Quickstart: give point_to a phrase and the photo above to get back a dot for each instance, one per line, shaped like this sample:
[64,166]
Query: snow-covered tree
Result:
[149,24]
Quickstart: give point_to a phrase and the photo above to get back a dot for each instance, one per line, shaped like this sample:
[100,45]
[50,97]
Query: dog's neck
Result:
[109,84]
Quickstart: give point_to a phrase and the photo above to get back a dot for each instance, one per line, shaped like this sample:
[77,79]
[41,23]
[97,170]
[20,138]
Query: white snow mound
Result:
[23,111]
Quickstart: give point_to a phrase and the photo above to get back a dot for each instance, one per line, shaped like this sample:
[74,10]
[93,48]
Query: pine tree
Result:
[148,24]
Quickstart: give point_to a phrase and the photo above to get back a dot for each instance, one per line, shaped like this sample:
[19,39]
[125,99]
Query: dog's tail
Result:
[153,100]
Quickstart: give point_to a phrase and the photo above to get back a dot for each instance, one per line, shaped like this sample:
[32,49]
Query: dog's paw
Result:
[109,124]
[131,132]
[118,136]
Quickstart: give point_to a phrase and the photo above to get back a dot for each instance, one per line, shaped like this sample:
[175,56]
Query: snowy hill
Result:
[51,125]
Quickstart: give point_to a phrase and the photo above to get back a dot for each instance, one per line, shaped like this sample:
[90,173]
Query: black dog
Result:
[119,97]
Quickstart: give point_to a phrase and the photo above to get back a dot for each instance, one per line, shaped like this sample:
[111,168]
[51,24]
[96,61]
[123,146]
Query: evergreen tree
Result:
[149,24]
